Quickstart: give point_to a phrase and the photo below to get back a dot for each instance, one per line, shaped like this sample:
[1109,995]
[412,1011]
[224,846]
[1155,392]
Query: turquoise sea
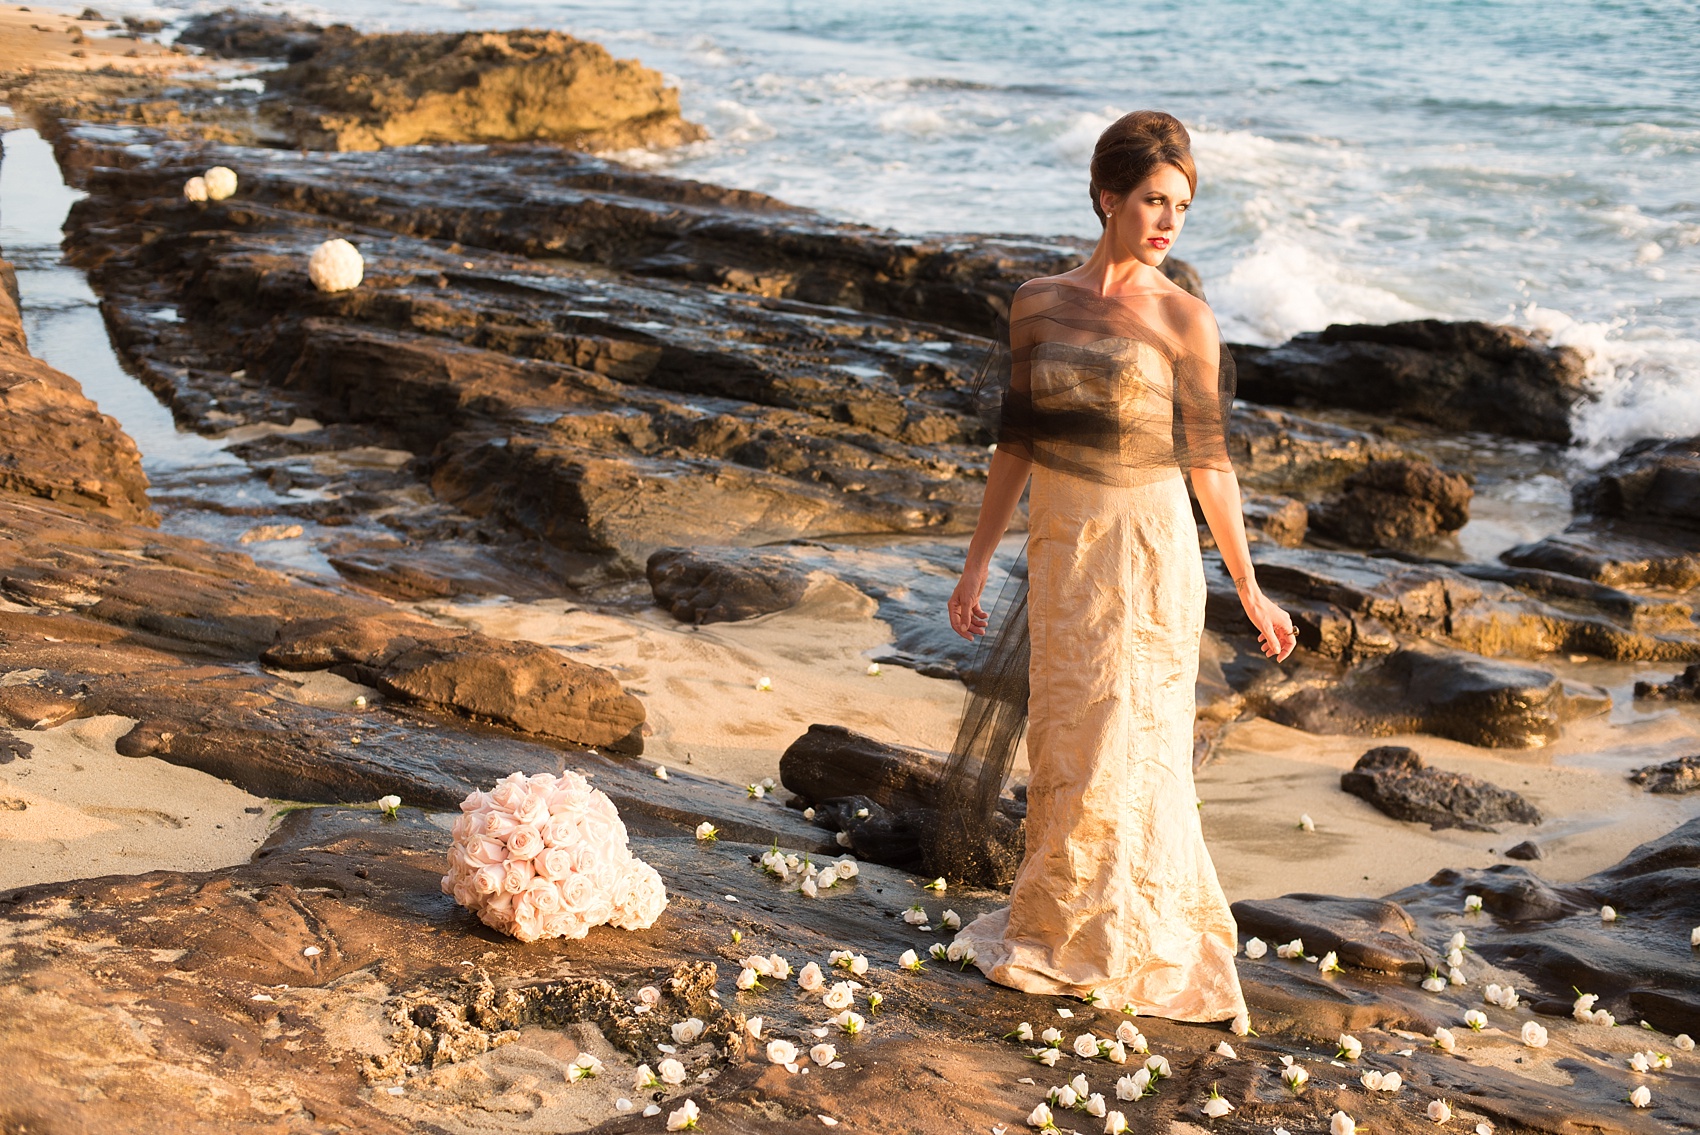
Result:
[1537,163]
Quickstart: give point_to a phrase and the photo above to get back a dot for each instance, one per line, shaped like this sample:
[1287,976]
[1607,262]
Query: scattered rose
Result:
[685,1118]
[1226,1049]
[1115,1123]
[1641,1097]
[823,1054]
[1306,824]
[936,885]
[950,920]
[1040,1117]
[781,1052]
[1472,904]
[1607,914]
[707,832]
[388,805]
[1086,1045]
[1444,1040]
[1476,1019]
[915,915]
[1295,1077]
[1439,1110]
[909,959]
[810,979]
[1342,1124]
[687,1030]
[1330,963]
[671,1071]
[850,1021]
[1350,1047]
[1293,949]
[1434,983]
[1255,948]
[1534,1035]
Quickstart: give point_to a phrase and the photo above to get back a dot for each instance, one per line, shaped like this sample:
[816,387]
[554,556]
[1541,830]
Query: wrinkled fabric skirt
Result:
[1116,893]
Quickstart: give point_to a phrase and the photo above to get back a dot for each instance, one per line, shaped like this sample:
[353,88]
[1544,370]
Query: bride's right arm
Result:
[1006,479]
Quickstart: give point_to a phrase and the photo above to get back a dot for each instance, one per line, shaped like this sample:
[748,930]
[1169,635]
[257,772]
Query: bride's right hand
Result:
[966,616]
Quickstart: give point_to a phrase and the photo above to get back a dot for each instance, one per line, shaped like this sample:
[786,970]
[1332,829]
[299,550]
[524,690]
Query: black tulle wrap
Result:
[1119,390]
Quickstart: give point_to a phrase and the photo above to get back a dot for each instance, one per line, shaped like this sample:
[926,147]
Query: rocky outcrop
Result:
[1654,482]
[1401,503]
[304,986]
[367,92]
[1395,780]
[1683,687]
[716,585]
[230,33]
[1461,376]
[1672,778]
[1446,693]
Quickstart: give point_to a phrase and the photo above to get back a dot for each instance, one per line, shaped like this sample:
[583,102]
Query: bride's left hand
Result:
[1276,636]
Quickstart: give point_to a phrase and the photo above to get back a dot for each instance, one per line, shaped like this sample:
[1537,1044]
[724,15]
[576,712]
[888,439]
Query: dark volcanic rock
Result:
[717,585]
[1615,555]
[365,92]
[1399,504]
[1465,376]
[1653,481]
[1527,850]
[1394,779]
[830,762]
[1671,778]
[1365,933]
[1683,687]
[1445,693]
[233,34]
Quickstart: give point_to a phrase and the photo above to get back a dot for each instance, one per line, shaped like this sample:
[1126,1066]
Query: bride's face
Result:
[1144,224]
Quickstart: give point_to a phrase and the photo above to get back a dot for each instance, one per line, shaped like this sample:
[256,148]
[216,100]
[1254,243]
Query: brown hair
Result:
[1133,147]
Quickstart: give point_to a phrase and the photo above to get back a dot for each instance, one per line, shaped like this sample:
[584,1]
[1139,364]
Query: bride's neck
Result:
[1113,270]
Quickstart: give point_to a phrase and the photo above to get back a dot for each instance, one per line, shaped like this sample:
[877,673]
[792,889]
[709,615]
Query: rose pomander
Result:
[545,857]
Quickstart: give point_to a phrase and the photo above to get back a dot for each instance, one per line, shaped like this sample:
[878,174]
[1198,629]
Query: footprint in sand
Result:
[145,816]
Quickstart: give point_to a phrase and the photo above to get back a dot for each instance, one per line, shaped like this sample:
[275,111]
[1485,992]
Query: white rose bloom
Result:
[195,189]
[1582,1009]
[1051,1037]
[1226,1049]
[649,995]
[753,1026]
[950,920]
[1127,1032]
[823,1054]
[1439,1110]
[684,1118]
[1158,1066]
[847,867]
[1534,1035]
[1293,949]
[810,979]
[809,888]
[1434,983]
[1472,904]
[705,830]
[1350,1047]
[687,1030]
[1607,914]
[1455,976]
[1024,1031]
[850,1021]
[915,916]
[1040,1117]
[1371,1080]
[1216,1107]
[1640,1063]
[1095,1105]
[671,1071]
[1116,1053]
[1476,1019]
[1641,1097]
[1444,1040]
[1046,1056]
[1129,1088]
[335,266]
[1081,1088]
[1241,1025]
[1066,1097]
[1342,1124]
[748,978]
[827,877]
[1295,1076]
[1455,957]
[1086,1045]
[1115,1123]
[220,182]
[1456,942]
[838,997]
[1684,1042]
[781,1052]
[1255,948]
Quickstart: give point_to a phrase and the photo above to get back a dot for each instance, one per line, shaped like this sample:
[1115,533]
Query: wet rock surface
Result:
[1465,376]
[702,585]
[1396,504]
[1683,687]
[1395,780]
[210,1014]
[1672,778]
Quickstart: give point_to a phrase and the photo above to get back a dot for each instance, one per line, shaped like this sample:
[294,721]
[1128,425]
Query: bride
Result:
[1118,383]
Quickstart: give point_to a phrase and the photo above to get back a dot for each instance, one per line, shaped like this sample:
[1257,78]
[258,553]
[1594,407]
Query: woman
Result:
[1118,382]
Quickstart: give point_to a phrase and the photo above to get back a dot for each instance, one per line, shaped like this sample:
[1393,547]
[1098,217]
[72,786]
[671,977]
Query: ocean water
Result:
[1509,160]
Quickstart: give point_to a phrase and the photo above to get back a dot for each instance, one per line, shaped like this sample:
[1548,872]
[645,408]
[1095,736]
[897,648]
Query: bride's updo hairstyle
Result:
[1134,147]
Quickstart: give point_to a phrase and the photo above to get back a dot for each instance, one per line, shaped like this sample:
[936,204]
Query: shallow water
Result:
[1361,162]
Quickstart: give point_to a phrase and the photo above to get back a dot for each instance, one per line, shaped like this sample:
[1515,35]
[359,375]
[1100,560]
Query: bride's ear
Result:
[1109,201]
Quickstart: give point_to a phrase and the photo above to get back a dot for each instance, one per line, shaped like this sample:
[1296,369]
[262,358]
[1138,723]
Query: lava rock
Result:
[1464,376]
[703,585]
[1683,687]
[1673,778]
[1446,693]
[1652,481]
[366,92]
[1394,779]
[1404,503]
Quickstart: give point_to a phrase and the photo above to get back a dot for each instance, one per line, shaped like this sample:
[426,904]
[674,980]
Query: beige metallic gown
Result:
[1116,893]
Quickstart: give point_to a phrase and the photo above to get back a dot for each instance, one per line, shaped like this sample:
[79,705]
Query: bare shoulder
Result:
[1030,296]
[1191,320]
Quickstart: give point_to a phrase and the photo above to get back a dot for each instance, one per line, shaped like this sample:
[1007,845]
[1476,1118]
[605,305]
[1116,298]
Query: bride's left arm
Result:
[1204,395]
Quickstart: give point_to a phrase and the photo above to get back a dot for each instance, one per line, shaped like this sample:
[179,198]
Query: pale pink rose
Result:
[498,823]
[499,905]
[578,895]
[487,880]
[563,925]
[459,831]
[554,864]
[457,858]
[508,794]
[543,895]
[465,895]
[447,885]
[645,899]
[541,780]
[477,801]
[527,922]
[560,831]
[534,809]
[525,842]
[567,798]
[475,823]
[516,876]
[484,851]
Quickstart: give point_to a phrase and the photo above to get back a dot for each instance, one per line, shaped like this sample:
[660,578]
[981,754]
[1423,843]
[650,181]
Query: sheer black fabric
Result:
[1120,390]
